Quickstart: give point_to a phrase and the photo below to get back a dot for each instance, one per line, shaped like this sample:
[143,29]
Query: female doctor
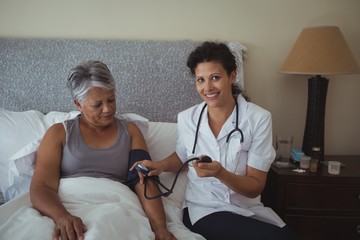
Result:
[223,197]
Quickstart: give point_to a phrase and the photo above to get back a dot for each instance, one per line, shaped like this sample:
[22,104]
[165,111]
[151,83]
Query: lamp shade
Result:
[320,51]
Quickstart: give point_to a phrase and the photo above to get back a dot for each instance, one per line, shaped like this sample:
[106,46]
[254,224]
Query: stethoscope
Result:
[236,129]
[168,191]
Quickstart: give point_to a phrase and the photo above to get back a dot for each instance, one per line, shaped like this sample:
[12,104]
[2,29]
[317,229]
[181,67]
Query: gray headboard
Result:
[152,77]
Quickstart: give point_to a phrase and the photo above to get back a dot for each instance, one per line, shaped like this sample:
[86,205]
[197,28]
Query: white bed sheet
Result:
[109,209]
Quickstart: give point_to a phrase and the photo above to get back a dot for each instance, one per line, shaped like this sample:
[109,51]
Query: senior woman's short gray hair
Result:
[89,74]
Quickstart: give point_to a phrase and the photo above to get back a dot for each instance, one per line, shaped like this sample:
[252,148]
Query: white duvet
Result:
[109,209]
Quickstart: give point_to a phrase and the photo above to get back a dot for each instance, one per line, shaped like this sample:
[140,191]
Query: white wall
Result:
[267,28]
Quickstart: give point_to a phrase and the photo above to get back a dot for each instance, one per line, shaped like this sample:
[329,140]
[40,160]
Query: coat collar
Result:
[228,126]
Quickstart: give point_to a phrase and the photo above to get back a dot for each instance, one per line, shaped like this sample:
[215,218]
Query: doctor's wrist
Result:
[221,174]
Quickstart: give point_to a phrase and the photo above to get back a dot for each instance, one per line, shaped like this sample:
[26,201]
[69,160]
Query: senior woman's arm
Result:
[153,208]
[45,182]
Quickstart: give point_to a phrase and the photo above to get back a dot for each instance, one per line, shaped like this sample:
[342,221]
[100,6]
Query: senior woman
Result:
[93,144]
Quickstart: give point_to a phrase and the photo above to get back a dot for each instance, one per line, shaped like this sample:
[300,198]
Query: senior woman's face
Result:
[99,106]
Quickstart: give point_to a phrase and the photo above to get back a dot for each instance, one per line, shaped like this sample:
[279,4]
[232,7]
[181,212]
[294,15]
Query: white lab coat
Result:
[207,195]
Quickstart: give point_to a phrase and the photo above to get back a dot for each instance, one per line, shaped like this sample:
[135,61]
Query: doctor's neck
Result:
[220,114]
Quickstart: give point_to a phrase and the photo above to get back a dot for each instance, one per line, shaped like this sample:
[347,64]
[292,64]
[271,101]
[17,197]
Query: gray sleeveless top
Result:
[79,159]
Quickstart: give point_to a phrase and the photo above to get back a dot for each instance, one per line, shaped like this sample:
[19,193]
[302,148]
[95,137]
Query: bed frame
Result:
[151,76]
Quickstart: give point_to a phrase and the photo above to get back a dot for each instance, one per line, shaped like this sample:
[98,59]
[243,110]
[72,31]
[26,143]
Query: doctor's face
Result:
[213,83]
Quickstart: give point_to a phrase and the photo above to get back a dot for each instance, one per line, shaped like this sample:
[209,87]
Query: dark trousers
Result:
[227,225]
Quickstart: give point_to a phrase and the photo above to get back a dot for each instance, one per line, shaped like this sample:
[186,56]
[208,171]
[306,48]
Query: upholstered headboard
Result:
[151,76]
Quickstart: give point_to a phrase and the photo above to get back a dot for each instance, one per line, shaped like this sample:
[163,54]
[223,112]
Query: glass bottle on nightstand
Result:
[315,164]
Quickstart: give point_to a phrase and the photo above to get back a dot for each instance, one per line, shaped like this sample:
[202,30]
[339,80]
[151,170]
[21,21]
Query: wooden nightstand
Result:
[317,205]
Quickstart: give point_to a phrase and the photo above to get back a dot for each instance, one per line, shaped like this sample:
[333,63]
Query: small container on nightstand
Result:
[315,164]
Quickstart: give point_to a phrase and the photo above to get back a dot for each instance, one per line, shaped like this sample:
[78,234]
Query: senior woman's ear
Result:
[78,105]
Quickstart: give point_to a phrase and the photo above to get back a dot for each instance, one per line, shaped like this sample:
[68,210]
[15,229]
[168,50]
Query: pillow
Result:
[17,130]
[21,169]
[141,122]
[161,139]
[32,136]
[55,117]
[161,142]
[21,164]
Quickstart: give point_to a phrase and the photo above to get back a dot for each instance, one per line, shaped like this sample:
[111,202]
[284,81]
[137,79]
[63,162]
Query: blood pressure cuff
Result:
[135,155]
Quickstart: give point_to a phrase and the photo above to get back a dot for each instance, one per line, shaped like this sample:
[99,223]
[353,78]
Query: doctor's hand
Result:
[153,167]
[212,169]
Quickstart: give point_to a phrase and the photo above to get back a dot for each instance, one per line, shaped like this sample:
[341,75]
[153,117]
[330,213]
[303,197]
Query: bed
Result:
[153,85]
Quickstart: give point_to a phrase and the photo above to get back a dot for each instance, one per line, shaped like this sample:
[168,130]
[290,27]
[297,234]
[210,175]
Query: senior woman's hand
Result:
[69,227]
[164,234]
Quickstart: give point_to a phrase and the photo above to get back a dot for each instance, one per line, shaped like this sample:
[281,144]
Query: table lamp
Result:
[319,51]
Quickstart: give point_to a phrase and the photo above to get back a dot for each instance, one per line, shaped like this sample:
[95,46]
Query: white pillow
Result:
[25,156]
[161,139]
[21,169]
[17,129]
[21,164]
[56,117]
[161,142]
[141,122]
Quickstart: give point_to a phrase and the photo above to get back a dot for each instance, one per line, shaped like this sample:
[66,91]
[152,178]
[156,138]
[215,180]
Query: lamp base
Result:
[315,116]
